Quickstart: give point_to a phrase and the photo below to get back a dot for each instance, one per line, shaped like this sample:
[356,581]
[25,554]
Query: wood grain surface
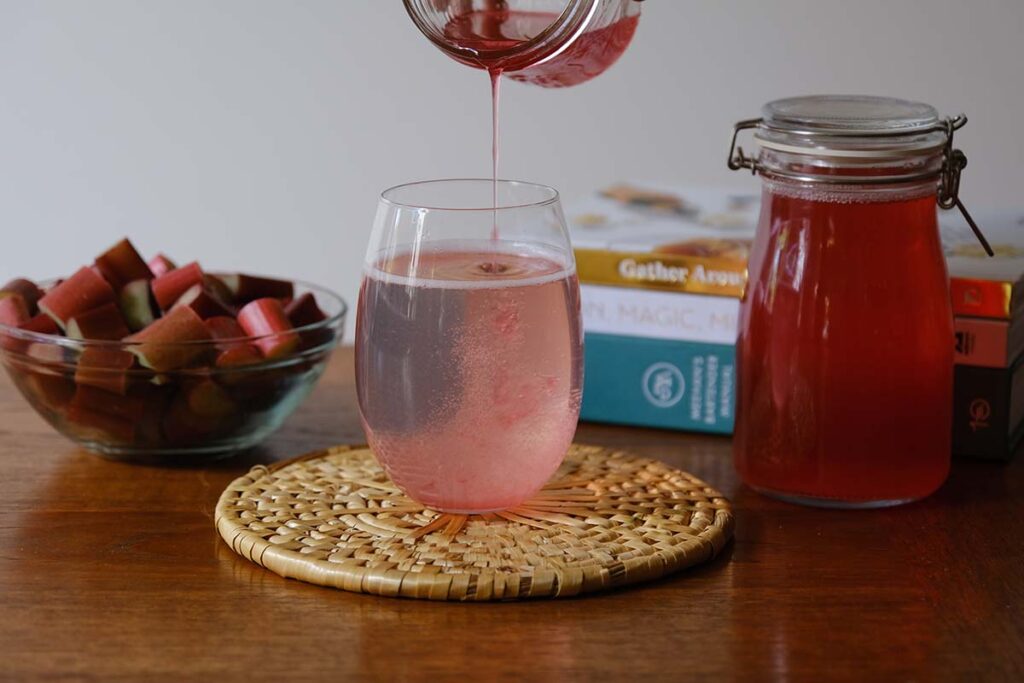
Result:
[110,571]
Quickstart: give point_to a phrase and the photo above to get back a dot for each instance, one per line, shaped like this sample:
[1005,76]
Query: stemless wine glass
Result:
[469,357]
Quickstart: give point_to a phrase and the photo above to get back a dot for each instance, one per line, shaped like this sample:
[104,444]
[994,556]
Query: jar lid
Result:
[850,126]
[856,133]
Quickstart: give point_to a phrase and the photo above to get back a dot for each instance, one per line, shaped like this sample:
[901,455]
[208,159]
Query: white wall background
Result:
[257,133]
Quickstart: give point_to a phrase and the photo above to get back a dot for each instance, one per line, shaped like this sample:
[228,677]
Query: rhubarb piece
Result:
[47,390]
[81,292]
[233,368]
[147,404]
[122,264]
[207,399]
[136,303]
[105,368]
[28,290]
[117,405]
[14,311]
[41,324]
[229,334]
[93,425]
[169,287]
[42,372]
[224,327]
[149,428]
[239,356]
[10,312]
[238,370]
[303,311]
[260,388]
[267,317]
[104,416]
[200,301]
[160,265]
[102,323]
[218,289]
[182,426]
[246,288]
[160,346]
[53,355]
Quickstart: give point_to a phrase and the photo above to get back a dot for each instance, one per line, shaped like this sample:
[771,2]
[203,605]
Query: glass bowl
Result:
[97,394]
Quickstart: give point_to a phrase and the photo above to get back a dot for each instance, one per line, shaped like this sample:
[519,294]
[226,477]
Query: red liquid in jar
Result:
[845,352]
[588,56]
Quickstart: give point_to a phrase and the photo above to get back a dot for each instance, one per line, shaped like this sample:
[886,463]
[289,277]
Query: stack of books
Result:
[661,276]
[988,403]
[662,271]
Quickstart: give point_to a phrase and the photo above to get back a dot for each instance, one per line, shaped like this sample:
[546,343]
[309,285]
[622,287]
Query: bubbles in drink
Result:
[468,363]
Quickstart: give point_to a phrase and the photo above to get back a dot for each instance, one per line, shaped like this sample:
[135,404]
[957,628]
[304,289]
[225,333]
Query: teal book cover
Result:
[659,383]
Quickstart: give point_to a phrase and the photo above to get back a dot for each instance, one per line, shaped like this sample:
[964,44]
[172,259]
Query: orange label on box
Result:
[981,298]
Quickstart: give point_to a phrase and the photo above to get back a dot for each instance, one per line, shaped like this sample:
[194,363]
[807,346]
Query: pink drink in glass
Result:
[469,371]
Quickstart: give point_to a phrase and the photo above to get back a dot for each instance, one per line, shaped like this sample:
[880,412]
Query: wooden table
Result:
[113,571]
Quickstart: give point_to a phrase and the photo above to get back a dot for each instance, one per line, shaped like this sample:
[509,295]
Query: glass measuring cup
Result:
[551,43]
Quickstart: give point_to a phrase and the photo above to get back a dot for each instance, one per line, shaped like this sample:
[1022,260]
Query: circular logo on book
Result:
[663,385]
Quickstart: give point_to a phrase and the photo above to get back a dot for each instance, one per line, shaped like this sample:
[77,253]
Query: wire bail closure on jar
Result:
[953,163]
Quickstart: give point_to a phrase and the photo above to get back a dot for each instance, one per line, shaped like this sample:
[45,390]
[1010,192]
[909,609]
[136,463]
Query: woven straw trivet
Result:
[608,518]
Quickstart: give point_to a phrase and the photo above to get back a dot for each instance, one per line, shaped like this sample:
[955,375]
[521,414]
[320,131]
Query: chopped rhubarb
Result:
[199,300]
[53,356]
[136,303]
[94,425]
[45,388]
[113,416]
[128,407]
[161,346]
[169,287]
[105,368]
[262,387]
[207,399]
[267,317]
[182,426]
[122,264]
[202,358]
[160,265]
[155,401]
[81,292]
[224,327]
[303,311]
[28,290]
[217,288]
[239,356]
[246,288]
[41,324]
[14,311]
[102,323]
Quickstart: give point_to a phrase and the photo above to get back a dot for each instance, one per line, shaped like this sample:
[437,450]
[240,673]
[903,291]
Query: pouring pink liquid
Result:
[483,32]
